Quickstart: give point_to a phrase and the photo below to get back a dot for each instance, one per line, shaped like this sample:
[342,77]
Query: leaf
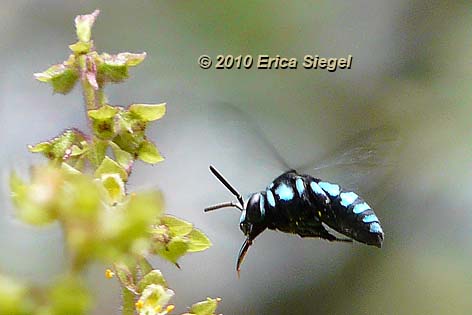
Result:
[78,198]
[28,209]
[146,201]
[103,121]
[18,189]
[70,296]
[148,112]
[132,59]
[124,158]
[15,297]
[197,241]
[69,169]
[175,249]
[114,68]
[17,186]
[80,163]
[153,277]
[109,166]
[61,77]
[58,148]
[114,185]
[131,132]
[83,25]
[111,68]
[125,276]
[148,153]
[76,150]
[126,227]
[62,143]
[177,227]
[40,147]
[81,48]
[104,112]
[144,265]
[207,307]
[96,152]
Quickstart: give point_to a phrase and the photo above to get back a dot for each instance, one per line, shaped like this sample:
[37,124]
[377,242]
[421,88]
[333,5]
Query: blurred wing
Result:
[240,131]
[361,163]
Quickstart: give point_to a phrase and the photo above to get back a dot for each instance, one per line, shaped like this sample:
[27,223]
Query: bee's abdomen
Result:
[294,200]
[352,216]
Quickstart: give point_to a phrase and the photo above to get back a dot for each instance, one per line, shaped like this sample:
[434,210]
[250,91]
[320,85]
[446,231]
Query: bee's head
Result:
[253,216]
[252,221]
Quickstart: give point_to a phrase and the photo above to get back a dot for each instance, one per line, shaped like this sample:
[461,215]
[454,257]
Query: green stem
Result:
[101,97]
[144,265]
[88,91]
[128,304]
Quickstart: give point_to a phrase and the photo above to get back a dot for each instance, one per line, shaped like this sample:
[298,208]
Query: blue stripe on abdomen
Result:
[262,205]
[270,198]
[317,189]
[375,228]
[300,186]
[284,192]
[370,218]
[360,207]
[332,189]
[348,198]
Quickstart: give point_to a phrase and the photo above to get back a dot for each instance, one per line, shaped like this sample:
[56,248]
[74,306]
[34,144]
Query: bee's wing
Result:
[361,163]
[238,130]
[364,161]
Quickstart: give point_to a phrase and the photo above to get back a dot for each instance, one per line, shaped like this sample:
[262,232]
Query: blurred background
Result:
[411,69]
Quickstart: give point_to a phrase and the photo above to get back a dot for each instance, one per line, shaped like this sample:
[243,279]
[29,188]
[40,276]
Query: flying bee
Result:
[301,204]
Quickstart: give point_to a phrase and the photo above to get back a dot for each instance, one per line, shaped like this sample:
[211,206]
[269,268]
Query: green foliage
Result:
[114,68]
[65,296]
[83,25]
[148,112]
[62,77]
[152,277]
[69,296]
[207,307]
[148,153]
[103,121]
[70,144]
[14,297]
[176,238]
[115,187]
[83,189]
[109,166]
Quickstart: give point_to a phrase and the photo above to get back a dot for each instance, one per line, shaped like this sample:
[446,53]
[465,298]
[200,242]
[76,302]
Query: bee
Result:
[301,204]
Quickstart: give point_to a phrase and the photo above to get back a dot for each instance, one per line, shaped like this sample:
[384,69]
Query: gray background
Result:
[412,70]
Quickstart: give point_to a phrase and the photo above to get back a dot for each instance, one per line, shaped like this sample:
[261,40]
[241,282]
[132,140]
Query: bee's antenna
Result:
[230,188]
[223,205]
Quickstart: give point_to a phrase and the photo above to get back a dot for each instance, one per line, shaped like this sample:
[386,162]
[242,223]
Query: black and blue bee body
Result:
[302,204]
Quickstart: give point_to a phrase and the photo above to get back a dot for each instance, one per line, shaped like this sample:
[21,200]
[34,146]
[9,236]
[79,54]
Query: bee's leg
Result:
[309,230]
[321,232]
[332,238]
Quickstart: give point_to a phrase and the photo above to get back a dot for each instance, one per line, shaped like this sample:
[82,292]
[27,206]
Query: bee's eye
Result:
[245,227]
[255,208]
